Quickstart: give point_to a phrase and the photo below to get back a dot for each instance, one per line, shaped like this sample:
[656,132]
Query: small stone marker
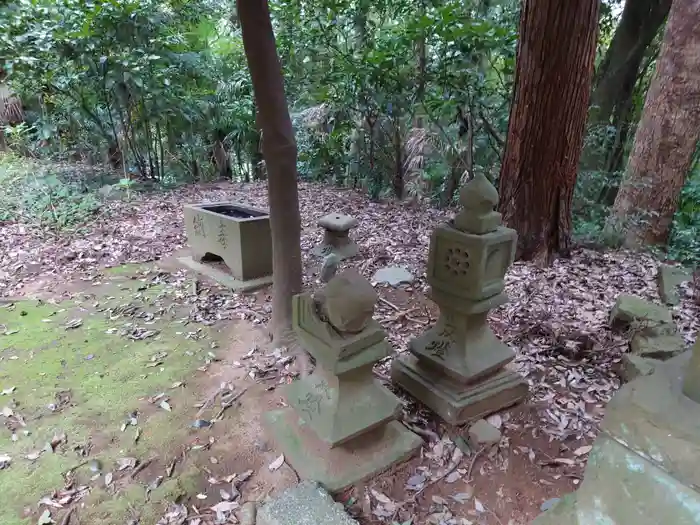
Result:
[458,367]
[668,279]
[329,267]
[336,237]
[341,425]
[482,433]
[304,504]
[393,275]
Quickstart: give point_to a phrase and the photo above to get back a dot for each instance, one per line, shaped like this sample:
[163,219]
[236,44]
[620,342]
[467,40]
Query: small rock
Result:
[482,433]
[393,275]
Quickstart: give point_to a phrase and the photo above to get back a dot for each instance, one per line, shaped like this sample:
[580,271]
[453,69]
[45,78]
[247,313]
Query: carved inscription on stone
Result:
[310,404]
[221,237]
[198,226]
[439,346]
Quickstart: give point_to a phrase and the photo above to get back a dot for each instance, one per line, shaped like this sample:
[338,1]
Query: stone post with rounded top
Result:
[458,366]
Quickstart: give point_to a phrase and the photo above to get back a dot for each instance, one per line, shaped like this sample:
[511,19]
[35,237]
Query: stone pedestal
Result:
[458,367]
[336,237]
[644,468]
[340,427]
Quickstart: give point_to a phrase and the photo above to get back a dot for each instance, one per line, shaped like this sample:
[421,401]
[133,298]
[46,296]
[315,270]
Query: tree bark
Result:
[280,153]
[554,68]
[666,137]
[617,74]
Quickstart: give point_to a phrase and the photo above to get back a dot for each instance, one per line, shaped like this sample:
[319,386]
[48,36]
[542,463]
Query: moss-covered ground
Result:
[82,367]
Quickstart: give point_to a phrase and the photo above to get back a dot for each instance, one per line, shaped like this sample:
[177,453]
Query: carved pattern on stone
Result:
[198,226]
[457,261]
[223,241]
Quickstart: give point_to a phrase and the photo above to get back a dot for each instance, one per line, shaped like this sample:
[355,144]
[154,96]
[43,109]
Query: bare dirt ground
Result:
[556,321]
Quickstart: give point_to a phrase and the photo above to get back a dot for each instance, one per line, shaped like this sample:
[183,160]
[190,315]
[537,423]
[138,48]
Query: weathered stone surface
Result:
[668,279]
[456,402]
[238,234]
[336,237]
[329,267]
[304,504]
[393,275]
[224,278]
[650,318]
[337,222]
[482,433]
[644,468]
[479,199]
[347,301]
[691,379]
[340,425]
[337,468]
[457,365]
[661,347]
[633,366]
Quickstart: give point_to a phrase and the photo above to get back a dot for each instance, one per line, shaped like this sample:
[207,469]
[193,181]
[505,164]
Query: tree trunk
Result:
[280,153]
[619,71]
[666,137]
[553,75]
[617,74]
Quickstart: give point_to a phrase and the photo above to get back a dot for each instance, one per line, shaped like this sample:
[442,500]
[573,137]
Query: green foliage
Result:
[49,196]
[684,244]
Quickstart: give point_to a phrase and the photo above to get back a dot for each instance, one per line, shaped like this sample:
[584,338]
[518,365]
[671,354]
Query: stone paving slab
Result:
[305,504]
[224,278]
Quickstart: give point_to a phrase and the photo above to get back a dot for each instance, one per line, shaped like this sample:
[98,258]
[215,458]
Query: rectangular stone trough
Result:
[233,233]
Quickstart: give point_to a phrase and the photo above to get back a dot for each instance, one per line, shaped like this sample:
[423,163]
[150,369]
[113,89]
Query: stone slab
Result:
[339,467]
[393,275]
[656,421]
[653,319]
[304,504]
[668,279]
[456,402]
[621,487]
[661,347]
[224,278]
[632,366]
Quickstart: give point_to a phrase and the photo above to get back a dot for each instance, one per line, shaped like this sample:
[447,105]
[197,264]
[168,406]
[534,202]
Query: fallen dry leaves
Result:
[556,320]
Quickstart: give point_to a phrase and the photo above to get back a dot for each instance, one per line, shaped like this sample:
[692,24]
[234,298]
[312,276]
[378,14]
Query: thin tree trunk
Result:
[553,75]
[619,71]
[666,137]
[280,152]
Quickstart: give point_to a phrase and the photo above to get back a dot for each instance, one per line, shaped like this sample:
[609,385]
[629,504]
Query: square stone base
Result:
[339,467]
[224,278]
[458,403]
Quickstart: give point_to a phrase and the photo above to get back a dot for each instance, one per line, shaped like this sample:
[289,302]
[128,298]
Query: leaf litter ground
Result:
[556,320]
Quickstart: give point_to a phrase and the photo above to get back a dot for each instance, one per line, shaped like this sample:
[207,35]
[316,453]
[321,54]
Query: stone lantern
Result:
[458,366]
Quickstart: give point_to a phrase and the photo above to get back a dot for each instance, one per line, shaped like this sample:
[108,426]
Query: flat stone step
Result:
[304,504]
